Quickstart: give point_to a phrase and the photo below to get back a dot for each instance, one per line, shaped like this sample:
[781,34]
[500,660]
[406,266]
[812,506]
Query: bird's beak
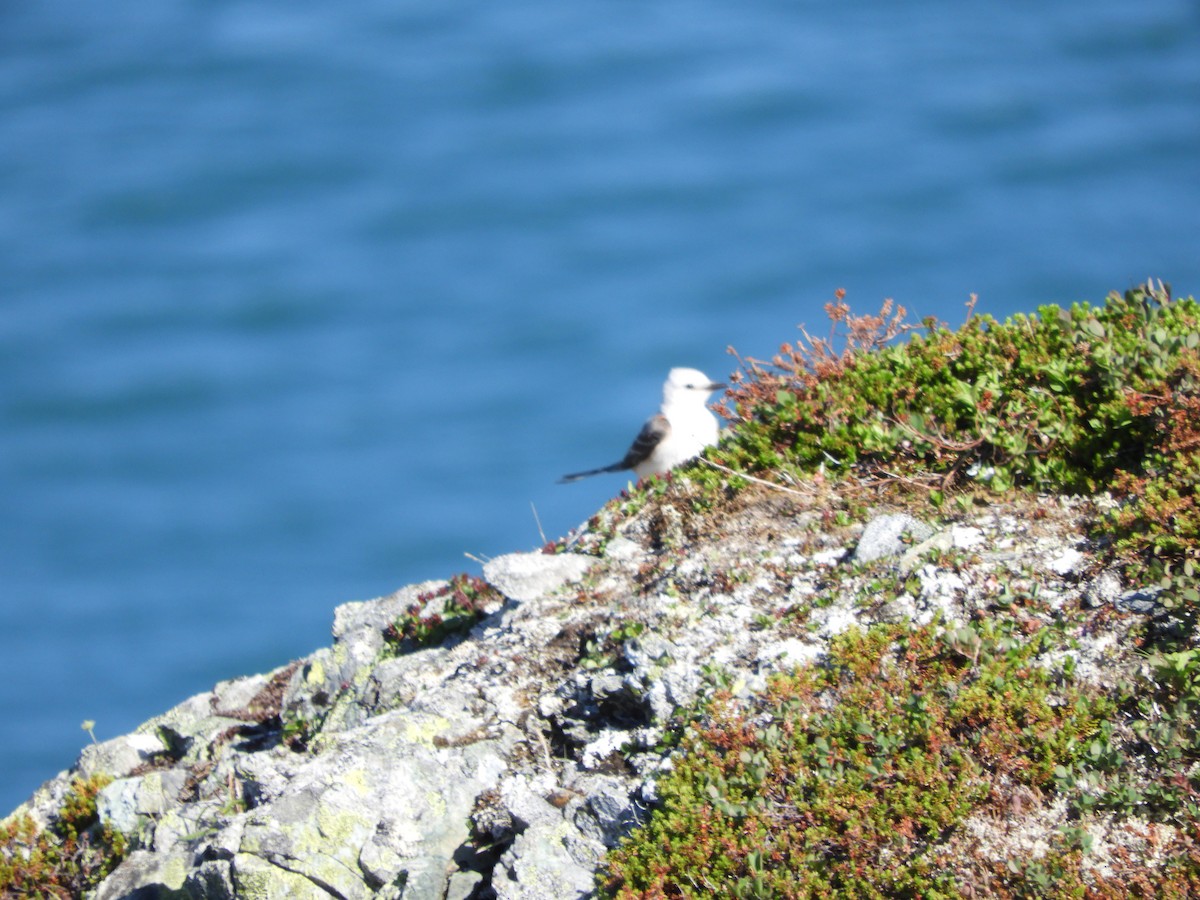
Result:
[717,385]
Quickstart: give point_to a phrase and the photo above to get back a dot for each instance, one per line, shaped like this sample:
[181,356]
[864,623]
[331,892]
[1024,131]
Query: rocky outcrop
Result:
[504,761]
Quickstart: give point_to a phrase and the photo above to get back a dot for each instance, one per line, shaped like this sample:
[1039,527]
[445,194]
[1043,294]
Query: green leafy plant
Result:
[1151,768]
[451,609]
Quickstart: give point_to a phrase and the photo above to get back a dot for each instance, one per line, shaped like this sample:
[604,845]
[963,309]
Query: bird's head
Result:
[683,382]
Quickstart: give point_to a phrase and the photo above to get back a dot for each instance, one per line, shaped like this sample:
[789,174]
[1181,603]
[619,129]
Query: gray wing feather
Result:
[652,434]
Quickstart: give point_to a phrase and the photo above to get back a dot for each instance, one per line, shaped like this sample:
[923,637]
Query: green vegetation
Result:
[452,609]
[73,855]
[874,772]
[602,651]
[873,775]
[1083,400]
[1075,401]
[1155,771]
[855,778]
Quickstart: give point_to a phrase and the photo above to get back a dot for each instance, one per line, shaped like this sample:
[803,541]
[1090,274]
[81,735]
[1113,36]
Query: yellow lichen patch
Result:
[423,729]
[315,673]
[357,781]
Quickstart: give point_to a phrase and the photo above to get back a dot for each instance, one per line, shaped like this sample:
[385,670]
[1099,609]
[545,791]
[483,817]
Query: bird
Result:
[680,430]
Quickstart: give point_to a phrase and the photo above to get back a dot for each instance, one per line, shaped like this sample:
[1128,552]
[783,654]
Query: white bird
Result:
[680,431]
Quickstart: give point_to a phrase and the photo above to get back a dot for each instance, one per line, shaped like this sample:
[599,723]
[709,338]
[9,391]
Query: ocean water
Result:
[300,303]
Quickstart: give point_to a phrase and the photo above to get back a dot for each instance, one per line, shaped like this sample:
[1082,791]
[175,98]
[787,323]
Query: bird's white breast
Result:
[693,428]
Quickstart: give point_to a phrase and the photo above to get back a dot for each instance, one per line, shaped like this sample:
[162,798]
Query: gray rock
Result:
[956,537]
[386,784]
[462,885]
[253,876]
[622,549]
[548,861]
[647,651]
[189,730]
[604,747]
[1104,589]
[524,799]
[238,693]
[211,880]
[1143,601]
[681,684]
[125,803]
[901,609]
[914,557]
[530,576]
[372,616]
[198,826]
[121,755]
[608,813]
[882,536]
[148,876]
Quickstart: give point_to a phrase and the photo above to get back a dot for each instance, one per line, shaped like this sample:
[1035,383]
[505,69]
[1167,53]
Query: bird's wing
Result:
[652,434]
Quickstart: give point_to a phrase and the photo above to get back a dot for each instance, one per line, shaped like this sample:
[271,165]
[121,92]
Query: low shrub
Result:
[70,857]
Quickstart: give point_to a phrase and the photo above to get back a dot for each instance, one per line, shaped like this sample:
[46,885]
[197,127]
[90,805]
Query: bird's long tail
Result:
[575,476]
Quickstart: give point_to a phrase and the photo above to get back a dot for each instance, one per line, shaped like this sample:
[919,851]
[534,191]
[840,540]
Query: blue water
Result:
[300,303]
